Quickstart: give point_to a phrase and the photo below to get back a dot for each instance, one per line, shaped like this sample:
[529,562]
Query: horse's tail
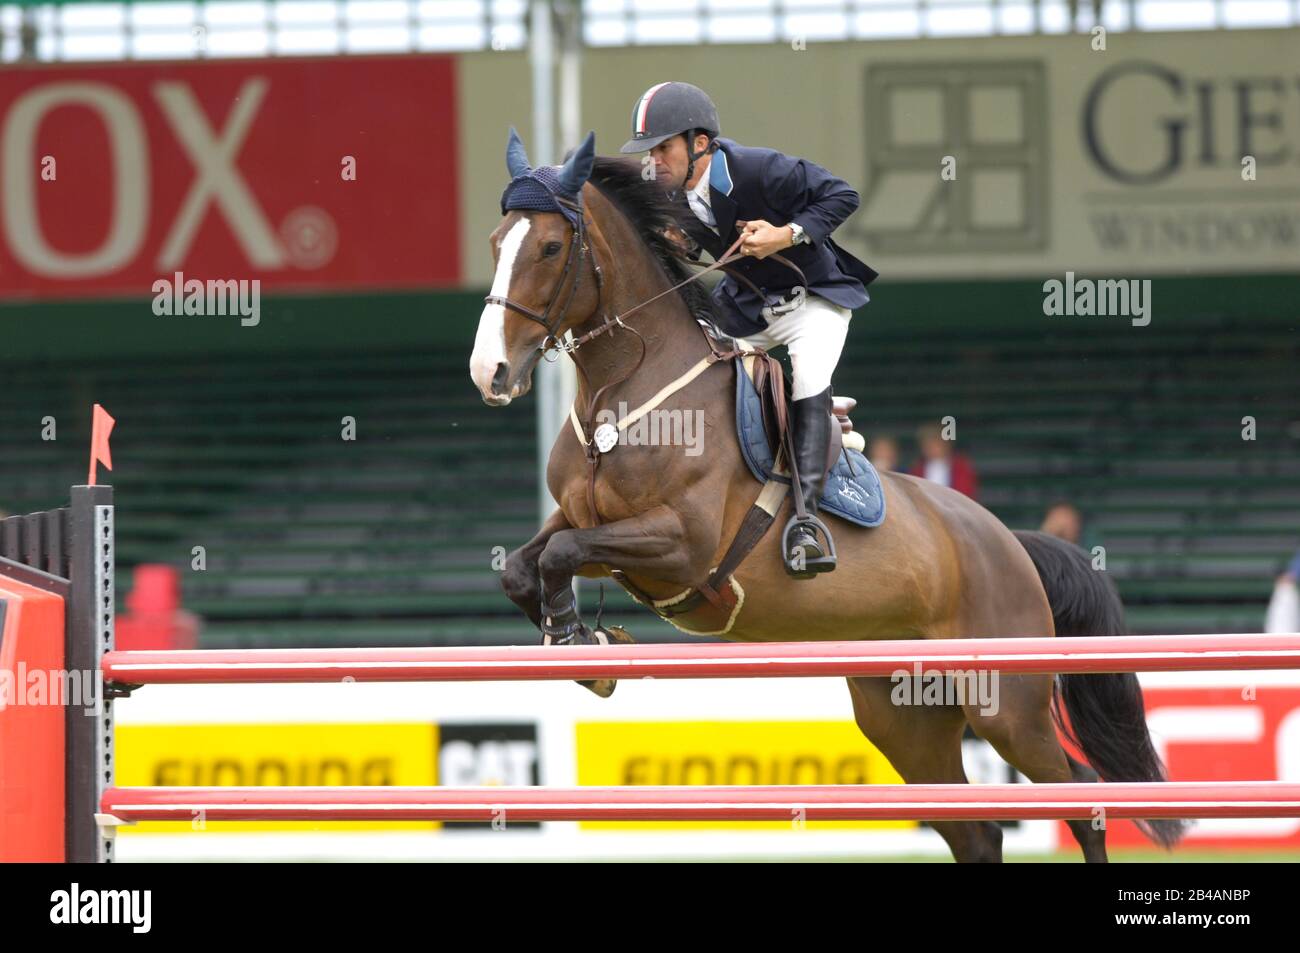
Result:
[1107,720]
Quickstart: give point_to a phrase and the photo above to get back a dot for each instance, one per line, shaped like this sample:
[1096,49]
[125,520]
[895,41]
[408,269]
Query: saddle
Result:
[774,394]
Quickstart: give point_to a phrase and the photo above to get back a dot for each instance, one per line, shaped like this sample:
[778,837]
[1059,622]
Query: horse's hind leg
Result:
[1020,728]
[923,743]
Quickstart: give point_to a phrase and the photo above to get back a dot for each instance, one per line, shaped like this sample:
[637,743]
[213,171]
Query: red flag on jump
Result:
[99,452]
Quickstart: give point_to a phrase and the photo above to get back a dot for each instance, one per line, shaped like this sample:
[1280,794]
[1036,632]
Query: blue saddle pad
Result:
[852,491]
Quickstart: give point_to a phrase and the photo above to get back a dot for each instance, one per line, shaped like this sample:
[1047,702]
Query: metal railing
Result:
[158,29]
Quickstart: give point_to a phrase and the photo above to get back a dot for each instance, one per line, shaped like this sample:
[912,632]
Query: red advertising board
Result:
[306,174]
[1223,733]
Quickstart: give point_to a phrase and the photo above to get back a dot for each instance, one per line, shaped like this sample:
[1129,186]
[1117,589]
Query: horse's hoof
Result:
[604,687]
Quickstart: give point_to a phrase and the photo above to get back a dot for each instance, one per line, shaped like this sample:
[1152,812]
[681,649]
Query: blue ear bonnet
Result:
[535,191]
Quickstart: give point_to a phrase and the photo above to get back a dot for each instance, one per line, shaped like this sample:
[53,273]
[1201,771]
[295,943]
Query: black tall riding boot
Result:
[814,427]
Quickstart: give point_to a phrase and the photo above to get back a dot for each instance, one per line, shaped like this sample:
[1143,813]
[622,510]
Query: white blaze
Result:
[490,341]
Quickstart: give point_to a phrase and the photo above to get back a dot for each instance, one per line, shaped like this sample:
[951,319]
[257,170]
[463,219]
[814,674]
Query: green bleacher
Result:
[311,540]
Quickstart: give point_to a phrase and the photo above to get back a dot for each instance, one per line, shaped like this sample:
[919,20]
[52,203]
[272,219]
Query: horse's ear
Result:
[516,157]
[577,168]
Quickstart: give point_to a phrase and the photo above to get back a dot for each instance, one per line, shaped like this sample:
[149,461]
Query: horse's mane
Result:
[650,210]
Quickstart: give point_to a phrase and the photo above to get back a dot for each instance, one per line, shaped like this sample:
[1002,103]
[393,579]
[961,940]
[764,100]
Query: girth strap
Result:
[758,520]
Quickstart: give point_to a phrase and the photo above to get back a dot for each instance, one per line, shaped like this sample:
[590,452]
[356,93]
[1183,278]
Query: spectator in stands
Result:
[940,463]
[883,453]
[1284,607]
[1064,521]
[1292,572]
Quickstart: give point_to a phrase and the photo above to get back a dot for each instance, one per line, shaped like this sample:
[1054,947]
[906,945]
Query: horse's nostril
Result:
[500,377]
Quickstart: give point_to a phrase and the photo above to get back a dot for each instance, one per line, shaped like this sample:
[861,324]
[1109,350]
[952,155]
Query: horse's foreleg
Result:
[520,578]
[655,541]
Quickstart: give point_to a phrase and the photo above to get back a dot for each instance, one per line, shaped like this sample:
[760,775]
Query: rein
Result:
[578,251]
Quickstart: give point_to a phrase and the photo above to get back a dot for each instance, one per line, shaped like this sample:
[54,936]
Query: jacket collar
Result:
[720,200]
[719,172]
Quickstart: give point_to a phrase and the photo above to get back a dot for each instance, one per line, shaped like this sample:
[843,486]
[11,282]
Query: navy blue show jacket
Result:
[747,183]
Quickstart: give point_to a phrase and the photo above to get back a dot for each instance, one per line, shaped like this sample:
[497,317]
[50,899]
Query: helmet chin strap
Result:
[691,157]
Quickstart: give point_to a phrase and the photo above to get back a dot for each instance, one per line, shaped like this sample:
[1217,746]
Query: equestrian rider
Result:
[779,204]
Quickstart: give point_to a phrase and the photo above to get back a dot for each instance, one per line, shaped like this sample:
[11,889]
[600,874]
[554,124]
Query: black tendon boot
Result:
[561,625]
[805,555]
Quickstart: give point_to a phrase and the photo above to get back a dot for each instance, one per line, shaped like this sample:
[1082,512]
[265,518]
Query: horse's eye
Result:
[551,248]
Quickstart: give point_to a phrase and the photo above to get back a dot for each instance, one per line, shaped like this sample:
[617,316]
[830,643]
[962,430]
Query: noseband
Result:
[577,254]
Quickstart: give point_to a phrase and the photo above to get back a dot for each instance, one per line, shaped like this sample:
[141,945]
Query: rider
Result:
[779,204]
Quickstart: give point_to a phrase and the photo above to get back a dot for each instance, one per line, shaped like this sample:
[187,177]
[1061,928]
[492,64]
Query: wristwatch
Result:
[797,234]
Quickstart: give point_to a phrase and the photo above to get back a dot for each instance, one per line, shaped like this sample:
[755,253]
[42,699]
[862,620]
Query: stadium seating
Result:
[314,540]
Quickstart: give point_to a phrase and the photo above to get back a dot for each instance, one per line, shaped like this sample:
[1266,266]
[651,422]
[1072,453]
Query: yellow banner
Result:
[277,755]
[730,752]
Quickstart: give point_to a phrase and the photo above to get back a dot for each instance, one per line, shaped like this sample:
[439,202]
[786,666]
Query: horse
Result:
[603,264]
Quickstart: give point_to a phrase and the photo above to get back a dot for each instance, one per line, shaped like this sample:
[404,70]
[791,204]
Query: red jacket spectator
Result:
[941,463]
[961,478]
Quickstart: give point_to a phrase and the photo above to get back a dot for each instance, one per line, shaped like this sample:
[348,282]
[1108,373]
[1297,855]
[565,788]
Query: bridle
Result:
[578,251]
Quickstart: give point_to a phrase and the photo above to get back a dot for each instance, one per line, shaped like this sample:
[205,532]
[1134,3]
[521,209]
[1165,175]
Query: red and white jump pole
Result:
[915,802]
[1158,653]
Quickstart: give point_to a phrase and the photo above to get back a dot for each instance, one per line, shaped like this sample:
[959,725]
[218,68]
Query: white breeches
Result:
[815,334]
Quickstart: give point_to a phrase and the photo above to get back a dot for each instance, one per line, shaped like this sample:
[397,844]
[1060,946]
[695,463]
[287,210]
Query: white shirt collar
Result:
[701,188]
[698,200]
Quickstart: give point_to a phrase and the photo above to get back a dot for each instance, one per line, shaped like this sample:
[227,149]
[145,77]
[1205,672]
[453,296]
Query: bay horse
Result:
[940,566]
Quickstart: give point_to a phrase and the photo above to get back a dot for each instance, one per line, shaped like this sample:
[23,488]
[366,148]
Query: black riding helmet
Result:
[670,109]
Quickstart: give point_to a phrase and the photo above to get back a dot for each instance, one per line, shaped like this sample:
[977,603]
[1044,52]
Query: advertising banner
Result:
[302,174]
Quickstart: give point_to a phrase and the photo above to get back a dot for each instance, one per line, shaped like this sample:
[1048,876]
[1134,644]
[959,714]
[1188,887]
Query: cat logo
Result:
[488,755]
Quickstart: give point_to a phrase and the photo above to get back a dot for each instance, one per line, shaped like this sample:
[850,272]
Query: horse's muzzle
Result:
[500,391]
